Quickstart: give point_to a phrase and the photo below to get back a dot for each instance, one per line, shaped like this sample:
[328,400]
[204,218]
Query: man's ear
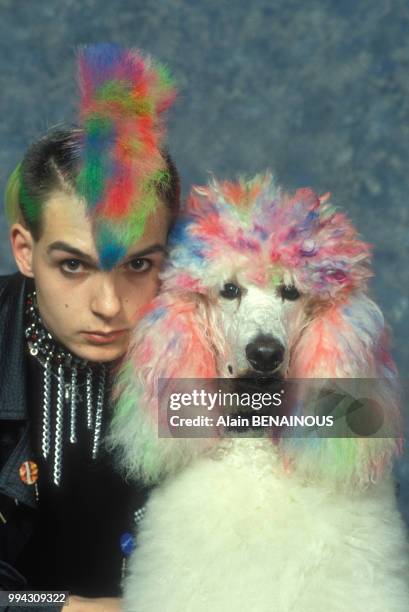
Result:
[22,244]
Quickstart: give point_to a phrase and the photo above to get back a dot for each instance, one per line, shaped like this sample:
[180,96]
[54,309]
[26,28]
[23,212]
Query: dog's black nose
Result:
[265,353]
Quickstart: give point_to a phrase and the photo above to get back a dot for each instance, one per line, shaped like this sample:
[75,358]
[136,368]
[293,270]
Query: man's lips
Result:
[99,337]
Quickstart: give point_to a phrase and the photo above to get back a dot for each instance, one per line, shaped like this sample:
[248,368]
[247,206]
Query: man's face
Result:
[89,310]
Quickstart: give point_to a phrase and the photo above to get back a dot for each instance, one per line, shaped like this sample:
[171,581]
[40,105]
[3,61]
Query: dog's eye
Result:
[230,291]
[289,293]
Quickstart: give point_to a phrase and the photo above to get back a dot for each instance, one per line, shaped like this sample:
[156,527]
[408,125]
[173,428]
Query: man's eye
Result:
[289,293]
[140,265]
[71,265]
[230,291]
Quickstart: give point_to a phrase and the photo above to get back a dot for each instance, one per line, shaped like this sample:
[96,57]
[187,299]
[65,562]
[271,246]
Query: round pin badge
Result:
[28,472]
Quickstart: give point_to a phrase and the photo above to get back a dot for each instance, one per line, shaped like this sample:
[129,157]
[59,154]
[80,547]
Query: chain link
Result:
[46,429]
[89,397]
[59,427]
[73,406]
[98,416]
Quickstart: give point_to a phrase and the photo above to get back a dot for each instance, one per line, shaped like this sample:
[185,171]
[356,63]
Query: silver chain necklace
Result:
[62,365]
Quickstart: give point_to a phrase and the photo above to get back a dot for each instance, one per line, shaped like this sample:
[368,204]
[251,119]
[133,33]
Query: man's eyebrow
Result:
[154,248]
[60,245]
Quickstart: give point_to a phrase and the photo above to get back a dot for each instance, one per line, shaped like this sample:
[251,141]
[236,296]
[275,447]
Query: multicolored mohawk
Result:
[123,99]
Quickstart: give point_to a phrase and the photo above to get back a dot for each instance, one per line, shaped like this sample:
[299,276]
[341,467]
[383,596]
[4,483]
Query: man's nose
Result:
[265,353]
[106,301]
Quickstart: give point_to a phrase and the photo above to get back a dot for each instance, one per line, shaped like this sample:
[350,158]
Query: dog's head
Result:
[263,284]
[266,263]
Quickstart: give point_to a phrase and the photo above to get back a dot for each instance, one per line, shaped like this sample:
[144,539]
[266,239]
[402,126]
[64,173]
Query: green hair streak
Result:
[12,196]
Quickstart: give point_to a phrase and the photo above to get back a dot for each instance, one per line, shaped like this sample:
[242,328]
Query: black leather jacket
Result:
[17,500]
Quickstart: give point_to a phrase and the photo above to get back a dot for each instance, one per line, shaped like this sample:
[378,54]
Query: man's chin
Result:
[101,354]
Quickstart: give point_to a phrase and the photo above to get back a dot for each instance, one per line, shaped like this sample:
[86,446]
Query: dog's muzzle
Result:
[265,354]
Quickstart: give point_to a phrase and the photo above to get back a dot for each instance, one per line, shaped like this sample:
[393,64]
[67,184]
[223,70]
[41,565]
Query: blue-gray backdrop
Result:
[316,90]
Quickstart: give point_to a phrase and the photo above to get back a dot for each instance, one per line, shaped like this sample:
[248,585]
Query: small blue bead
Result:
[127,543]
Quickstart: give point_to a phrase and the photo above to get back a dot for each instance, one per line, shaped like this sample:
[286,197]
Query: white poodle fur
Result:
[235,533]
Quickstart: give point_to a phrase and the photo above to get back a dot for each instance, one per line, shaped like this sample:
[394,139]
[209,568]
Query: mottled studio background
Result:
[317,90]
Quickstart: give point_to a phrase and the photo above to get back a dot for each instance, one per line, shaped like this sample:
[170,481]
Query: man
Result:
[90,210]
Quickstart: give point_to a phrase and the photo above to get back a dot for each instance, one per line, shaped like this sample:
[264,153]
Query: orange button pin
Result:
[28,472]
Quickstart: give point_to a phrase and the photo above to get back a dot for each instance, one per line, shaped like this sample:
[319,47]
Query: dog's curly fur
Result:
[244,524]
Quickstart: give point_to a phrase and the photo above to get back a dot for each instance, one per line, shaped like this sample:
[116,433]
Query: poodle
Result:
[262,286]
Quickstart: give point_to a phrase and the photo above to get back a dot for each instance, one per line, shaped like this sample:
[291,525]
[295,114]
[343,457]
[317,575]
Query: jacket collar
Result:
[13,403]
[13,291]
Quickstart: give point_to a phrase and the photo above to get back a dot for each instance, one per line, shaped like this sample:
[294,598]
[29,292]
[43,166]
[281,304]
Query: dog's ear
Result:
[349,341]
[173,341]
